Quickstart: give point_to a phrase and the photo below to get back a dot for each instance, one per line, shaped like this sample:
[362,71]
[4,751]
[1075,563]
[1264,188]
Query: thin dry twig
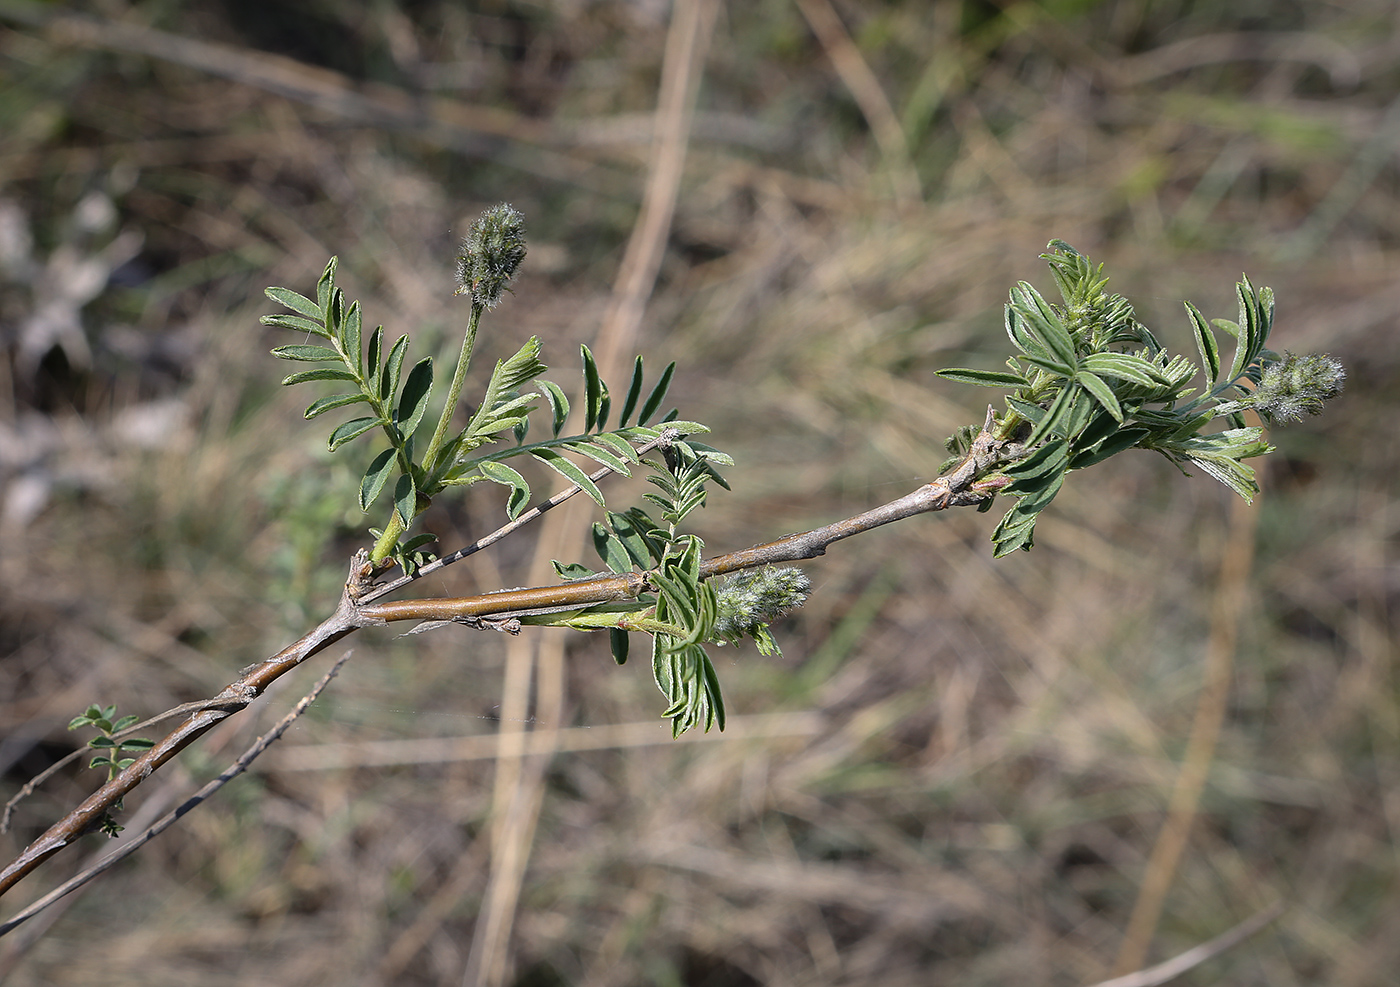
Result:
[168,820]
[869,96]
[1194,957]
[1230,601]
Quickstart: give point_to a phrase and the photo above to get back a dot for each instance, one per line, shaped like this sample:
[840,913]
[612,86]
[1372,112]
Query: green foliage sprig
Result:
[682,611]
[1086,382]
[1089,381]
[488,260]
[112,750]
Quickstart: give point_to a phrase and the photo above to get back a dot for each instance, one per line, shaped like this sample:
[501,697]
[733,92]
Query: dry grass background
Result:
[960,770]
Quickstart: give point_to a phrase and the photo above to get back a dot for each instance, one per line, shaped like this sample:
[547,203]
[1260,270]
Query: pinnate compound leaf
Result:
[351,430]
[521,368]
[375,477]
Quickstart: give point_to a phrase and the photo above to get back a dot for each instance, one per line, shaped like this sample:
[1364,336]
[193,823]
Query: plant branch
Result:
[235,697]
[166,821]
[967,484]
[660,442]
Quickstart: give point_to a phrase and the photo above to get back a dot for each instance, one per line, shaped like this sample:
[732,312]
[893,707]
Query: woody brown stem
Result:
[969,483]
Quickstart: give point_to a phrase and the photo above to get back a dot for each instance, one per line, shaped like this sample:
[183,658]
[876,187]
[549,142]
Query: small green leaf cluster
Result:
[398,403]
[111,750]
[1089,381]
[684,612]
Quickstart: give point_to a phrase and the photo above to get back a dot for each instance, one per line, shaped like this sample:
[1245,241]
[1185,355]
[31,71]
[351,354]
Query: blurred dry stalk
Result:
[519,793]
[1012,752]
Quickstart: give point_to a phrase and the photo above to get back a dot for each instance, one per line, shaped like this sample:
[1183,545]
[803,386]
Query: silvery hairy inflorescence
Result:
[490,254]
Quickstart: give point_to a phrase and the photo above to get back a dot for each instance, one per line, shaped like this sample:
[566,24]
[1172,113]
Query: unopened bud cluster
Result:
[1297,386]
[490,255]
[751,600]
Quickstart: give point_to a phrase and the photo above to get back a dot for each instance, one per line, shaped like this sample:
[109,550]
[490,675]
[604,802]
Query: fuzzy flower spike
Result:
[1297,386]
[490,255]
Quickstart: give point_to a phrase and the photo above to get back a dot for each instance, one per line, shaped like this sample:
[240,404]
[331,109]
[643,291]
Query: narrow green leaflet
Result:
[610,549]
[657,395]
[350,430]
[984,378]
[297,303]
[321,405]
[566,468]
[1102,393]
[309,354]
[1125,367]
[620,643]
[1205,343]
[375,477]
[519,489]
[594,392]
[406,498]
[296,323]
[1040,319]
[393,365]
[321,373]
[350,333]
[603,455]
[634,392]
[558,404]
[413,403]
